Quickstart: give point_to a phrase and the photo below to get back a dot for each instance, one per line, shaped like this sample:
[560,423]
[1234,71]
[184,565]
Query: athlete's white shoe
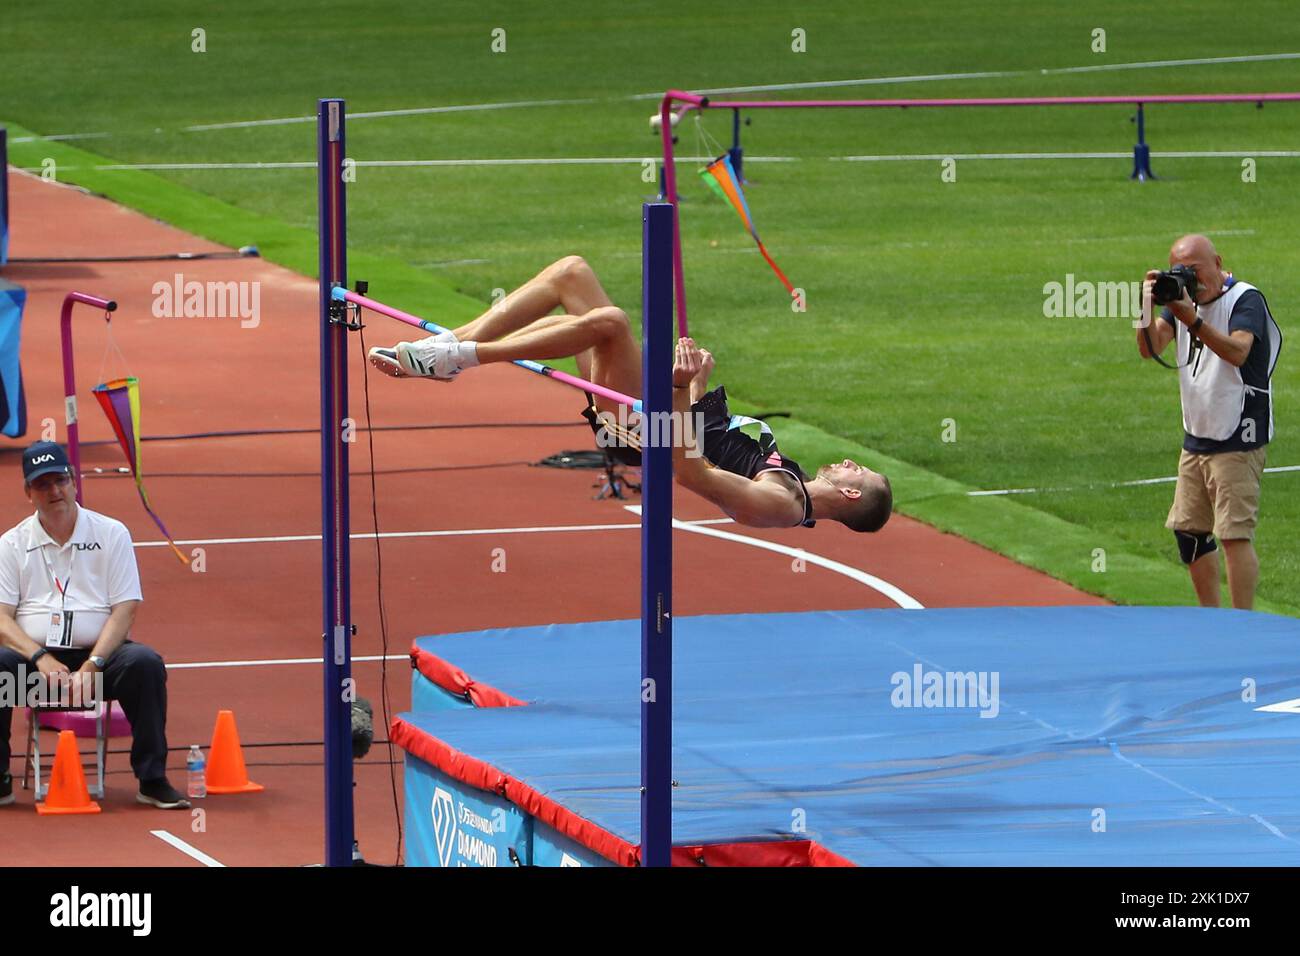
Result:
[434,357]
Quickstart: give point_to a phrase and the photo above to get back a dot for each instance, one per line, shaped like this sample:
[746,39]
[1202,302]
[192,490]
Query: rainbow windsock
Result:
[120,400]
[721,177]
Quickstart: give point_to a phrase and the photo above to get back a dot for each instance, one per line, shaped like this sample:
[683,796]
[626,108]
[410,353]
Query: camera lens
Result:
[1166,288]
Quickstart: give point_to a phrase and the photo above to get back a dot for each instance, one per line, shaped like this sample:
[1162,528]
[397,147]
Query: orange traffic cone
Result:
[226,771]
[67,792]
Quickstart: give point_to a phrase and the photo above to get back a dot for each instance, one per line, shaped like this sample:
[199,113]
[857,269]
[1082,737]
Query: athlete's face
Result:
[848,476]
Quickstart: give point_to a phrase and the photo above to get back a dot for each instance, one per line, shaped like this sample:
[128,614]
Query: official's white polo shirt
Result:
[96,566]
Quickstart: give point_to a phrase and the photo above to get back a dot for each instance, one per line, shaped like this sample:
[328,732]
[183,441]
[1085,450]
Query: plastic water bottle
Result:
[195,765]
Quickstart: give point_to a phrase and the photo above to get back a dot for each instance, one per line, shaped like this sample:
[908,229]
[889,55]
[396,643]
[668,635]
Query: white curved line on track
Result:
[893,592]
[454,533]
[190,851]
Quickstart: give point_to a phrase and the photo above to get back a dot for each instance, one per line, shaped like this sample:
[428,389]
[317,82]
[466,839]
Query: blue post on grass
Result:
[656,536]
[336,555]
[737,153]
[1141,151]
[4,195]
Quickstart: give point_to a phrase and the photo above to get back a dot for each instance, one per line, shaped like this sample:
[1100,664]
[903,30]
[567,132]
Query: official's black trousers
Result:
[135,676]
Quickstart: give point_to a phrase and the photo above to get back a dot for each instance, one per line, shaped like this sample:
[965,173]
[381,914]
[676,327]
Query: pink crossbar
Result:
[700,102]
[694,101]
[537,367]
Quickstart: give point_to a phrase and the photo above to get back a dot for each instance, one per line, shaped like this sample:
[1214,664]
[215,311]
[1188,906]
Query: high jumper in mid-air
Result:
[746,476]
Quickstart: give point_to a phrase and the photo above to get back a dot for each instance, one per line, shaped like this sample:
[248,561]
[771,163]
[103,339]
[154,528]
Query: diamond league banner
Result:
[448,824]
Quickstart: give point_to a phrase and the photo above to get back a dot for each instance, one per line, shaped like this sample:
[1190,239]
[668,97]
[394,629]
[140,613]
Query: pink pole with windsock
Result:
[120,400]
[70,379]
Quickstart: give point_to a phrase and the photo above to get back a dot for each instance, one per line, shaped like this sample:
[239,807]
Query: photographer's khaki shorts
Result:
[1218,492]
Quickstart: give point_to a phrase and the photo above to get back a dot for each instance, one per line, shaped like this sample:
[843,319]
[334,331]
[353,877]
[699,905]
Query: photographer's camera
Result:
[1169,286]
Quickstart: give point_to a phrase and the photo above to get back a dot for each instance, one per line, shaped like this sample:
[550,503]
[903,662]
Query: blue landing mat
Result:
[1113,736]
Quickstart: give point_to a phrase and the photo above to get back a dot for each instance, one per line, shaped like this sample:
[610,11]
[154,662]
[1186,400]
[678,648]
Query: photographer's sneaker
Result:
[6,788]
[386,360]
[161,794]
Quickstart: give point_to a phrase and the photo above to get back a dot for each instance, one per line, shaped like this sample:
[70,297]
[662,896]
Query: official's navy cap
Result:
[42,458]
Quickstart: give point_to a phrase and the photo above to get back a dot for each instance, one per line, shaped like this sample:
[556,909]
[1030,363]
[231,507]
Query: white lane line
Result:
[451,262]
[1227,154]
[370,536]
[277,662]
[185,848]
[812,85]
[378,114]
[59,136]
[992,74]
[1104,484]
[561,161]
[829,84]
[641,160]
[1180,154]
[1156,64]
[927,157]
[437,163]
[1149,237]
[895,594]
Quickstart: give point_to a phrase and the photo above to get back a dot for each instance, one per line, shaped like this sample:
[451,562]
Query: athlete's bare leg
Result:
[568,284]
[583,358]
[602,332]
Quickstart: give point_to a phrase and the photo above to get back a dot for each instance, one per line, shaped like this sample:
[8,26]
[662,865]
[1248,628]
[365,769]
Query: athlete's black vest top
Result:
[732,450]
[724,447]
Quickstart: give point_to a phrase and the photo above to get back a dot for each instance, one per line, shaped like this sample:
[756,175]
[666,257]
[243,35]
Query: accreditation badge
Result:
[59,632]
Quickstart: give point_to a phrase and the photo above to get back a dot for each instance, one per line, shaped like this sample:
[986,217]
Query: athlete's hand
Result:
[687,362]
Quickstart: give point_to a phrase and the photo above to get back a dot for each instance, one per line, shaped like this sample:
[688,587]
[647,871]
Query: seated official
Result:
[69,590]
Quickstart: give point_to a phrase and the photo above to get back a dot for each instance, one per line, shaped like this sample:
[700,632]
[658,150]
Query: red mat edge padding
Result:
[476,773]
[455,681]
[768,853]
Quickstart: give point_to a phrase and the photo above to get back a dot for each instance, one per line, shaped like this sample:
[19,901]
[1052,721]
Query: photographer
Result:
[1226,345]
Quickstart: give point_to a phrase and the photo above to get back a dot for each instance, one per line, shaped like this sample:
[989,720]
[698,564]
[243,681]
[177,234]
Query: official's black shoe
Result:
[161,794]
[6,788]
